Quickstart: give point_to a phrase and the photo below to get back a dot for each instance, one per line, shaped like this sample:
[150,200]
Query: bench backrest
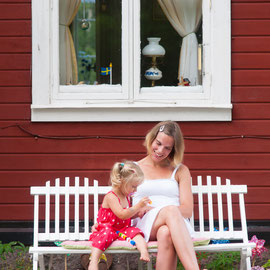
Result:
[70,204]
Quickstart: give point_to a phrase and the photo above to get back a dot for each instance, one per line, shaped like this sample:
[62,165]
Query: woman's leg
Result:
[142,247]
[171,216]
[166,257]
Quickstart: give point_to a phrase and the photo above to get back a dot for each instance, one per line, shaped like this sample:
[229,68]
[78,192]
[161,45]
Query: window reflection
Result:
[96,36]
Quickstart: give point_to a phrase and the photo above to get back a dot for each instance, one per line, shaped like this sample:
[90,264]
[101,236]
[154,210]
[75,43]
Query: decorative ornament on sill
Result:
[154,50]
[184,81]
[84,23]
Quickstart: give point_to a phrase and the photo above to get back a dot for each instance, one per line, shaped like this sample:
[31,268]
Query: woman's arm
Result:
[112,202]
[186,198]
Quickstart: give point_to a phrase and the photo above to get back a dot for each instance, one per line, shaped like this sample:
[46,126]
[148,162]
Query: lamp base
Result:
[153,74]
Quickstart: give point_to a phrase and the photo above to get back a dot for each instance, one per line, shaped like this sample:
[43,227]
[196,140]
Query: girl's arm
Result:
[186,198]
[112,202]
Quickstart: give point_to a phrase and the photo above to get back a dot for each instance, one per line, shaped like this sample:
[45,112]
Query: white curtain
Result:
[68,62]
[185,17]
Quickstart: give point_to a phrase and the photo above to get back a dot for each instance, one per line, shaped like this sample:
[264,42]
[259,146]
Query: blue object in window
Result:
[220,241]
[105,71]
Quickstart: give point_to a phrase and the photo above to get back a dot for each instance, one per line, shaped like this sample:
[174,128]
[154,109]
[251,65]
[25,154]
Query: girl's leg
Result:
[95,255]
[166,257]
[171,216]
[142,247]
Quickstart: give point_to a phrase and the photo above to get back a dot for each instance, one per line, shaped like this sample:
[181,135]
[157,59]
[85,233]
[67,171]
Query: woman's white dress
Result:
[162,192]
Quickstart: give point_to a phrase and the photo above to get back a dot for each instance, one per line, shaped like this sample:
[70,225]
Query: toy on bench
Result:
[132,242]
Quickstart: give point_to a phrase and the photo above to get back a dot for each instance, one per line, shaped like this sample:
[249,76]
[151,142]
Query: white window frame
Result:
[129,102]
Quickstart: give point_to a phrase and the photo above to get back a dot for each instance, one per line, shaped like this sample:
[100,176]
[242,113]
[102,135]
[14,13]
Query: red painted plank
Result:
[15,1]
[250,77]
[104,162]
[250,27]
[250,1]
[17,212]
[15,95]
[135,130]
[15,28]
[32,145]
[15,78]
[15,44]
[257,211]
[250,10]
[250,60]
[251,44]
[85,129]
[39,178]
[10,11]
[250,94]
[15,112]
[36,146]
[251,111]
[15,61]
[227,161]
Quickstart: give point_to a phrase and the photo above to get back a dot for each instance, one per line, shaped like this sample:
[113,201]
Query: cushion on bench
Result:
[123,244]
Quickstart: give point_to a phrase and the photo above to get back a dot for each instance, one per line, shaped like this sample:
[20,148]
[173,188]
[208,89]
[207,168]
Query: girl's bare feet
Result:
[145,256]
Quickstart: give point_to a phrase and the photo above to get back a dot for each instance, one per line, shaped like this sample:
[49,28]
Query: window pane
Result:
[154,23]
[90,47]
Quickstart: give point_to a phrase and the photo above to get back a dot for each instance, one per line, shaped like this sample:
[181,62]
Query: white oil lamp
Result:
[154,50]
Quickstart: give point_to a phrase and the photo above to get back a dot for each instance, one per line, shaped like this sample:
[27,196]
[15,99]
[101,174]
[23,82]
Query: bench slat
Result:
[86,206]
[57,208]
[67,207]
[220,206]
[210,205]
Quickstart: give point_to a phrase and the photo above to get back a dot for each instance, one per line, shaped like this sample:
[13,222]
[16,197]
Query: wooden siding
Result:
[26,160]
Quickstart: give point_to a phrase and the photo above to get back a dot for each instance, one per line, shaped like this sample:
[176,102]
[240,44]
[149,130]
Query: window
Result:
[68,85]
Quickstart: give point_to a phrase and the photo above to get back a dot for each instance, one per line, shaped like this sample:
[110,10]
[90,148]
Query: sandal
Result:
[104,263]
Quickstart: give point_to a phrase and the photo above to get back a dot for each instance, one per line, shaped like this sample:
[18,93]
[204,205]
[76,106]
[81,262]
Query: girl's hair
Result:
[124,172]
[172,129]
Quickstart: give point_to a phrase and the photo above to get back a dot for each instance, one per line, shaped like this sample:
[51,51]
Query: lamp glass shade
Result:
[153,48]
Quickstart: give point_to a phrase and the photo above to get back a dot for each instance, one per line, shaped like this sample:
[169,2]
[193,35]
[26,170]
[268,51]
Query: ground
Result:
[23,261]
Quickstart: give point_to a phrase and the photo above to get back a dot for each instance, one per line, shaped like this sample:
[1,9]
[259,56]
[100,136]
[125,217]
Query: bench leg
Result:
[149,264]
[35,261]
[245,260]
[50,261]
[35,265]
[41,262]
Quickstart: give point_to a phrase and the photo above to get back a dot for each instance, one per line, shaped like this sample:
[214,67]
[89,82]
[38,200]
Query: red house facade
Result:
[33,152]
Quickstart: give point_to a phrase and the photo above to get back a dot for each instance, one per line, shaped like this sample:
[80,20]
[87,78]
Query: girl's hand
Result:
[144,201]
[94,227]
[143,211]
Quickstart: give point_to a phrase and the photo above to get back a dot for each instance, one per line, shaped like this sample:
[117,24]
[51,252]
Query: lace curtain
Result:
[185,17]
[68,62]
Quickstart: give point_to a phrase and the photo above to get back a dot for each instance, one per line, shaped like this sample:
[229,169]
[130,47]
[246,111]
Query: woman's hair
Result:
[172,129]
[124,172]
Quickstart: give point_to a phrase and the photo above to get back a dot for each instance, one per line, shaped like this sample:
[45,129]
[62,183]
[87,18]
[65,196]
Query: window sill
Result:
[126,112]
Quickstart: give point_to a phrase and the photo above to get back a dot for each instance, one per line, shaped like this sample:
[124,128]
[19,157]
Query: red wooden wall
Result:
[26,161]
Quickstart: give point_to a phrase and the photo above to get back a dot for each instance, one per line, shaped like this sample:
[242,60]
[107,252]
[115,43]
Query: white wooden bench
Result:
[215,206]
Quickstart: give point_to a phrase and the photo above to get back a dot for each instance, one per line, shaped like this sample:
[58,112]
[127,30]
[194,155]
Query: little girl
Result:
[115,212]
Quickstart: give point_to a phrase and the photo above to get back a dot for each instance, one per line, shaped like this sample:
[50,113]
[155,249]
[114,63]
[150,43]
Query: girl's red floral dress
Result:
[108,224]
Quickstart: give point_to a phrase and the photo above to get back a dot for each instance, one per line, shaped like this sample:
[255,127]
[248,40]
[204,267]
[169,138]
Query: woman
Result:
[168,185]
